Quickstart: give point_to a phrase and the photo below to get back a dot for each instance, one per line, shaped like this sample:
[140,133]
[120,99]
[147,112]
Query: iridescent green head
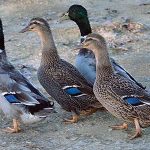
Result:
[79,15]
[77,12]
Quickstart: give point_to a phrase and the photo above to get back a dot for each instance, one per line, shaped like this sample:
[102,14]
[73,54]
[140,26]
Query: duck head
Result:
[36,25]
[79,15]
[75,13]
[95,42]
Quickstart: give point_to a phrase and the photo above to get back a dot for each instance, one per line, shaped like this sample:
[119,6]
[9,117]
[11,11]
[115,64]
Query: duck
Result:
[121,96]
[85,59]
[60,79]
[20,100]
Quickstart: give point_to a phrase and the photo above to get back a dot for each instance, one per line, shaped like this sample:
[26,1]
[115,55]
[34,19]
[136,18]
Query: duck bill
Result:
[25,29]
[64,16]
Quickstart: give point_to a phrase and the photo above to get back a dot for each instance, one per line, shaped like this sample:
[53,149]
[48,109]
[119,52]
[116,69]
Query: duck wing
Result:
[129,90]
[121,71]
[71,77]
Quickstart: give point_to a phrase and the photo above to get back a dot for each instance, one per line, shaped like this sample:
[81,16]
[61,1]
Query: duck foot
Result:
[138,131]
[120,127]
[88,111]
[15,128]
[74,119]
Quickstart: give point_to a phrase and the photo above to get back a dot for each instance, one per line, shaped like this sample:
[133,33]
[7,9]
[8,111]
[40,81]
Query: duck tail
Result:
[46,106]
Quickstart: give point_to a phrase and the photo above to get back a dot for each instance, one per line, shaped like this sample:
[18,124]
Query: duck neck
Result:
[103,64]
[49,51]
[84,26]
[2,44]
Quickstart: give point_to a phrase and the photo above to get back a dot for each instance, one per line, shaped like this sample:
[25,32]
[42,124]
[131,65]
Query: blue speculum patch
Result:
[133,101]
[73,91]
[11,98]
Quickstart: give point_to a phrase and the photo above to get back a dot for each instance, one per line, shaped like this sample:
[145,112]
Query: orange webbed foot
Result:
[138,132]
[120,127]
[15,128]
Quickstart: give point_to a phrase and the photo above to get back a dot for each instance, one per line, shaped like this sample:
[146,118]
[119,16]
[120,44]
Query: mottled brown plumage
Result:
[57,75]
[120,96]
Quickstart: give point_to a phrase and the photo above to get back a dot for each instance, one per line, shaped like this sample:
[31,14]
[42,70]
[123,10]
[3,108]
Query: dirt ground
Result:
[126,26]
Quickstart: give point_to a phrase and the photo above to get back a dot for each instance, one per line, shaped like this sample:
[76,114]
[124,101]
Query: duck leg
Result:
[120,127]
[138,131]
[15,128]
[74,119]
